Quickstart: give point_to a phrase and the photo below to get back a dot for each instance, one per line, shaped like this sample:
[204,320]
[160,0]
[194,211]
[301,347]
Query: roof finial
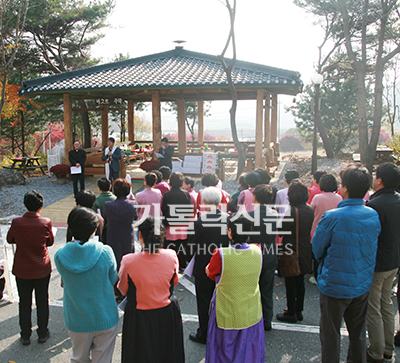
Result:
[178,43]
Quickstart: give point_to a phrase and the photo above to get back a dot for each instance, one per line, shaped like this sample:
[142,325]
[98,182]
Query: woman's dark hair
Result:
[33,201]
[82,222]
[328,183]
[104,184]
[158,175]
[357,180]
[85,198]
[265,177]
[264,194]
[189,181]
[290,175]
[165,171]
[176,179]
[242,181]
[152,234]
[209,179]
[122,188]
[389,173]
[298,193]
[318,174]
[239,227]
[253,179]
[151,179]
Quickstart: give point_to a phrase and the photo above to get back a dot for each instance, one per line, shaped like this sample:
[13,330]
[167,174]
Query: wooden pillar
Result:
[274,119]
[259,129]
[267,120]
[104,125]
[156,109]
[131,122]
[267,128]
[182,126]
[67,127]
[200,129]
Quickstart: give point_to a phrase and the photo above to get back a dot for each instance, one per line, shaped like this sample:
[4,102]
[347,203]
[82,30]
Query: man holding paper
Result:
[77,158]
[165,153]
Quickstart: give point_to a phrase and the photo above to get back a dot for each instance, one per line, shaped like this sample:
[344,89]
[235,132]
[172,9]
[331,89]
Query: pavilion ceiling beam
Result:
[98,109]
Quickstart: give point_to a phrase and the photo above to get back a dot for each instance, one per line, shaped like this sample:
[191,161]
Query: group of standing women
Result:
[92,271]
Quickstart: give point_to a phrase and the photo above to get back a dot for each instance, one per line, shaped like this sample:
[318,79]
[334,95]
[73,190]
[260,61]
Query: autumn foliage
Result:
[14,104]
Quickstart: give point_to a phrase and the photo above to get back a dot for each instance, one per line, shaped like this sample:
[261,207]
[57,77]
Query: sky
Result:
[269,32]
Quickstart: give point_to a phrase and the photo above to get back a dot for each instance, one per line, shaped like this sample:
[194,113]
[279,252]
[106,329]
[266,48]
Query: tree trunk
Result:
[12,141]
[376,126]
[325,140]
[241,148]
[22,134]
[362,113]
[86,125]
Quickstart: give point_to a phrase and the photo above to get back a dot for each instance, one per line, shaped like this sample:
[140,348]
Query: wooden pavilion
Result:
[177,75]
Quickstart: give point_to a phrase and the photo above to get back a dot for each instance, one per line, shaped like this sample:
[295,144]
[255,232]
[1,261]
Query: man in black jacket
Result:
[380,316]
[77,158]
[209,233]
[264,220]
[177,210]
[167,151]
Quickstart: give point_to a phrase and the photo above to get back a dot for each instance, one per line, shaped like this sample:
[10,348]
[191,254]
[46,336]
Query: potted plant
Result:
[60,171]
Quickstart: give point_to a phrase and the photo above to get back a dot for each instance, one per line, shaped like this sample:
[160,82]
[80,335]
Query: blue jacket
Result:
[116,157]
[89,272]
[345,245]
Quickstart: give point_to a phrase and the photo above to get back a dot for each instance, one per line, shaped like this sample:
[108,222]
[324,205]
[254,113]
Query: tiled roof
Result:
[175,69]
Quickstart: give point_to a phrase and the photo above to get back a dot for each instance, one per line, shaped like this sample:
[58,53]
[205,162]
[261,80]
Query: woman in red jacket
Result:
[32,234]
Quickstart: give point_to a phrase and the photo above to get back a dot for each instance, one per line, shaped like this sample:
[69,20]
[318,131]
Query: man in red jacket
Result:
[32,234]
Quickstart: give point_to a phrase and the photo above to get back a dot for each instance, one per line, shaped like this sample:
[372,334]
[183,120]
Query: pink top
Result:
[313,192]
[162,187]
[174,233]
[151,274]
[322,203]
[193,196]
[246,199]
[149,197]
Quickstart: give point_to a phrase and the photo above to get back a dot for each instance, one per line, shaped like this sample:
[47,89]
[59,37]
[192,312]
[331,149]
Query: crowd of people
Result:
[233,245]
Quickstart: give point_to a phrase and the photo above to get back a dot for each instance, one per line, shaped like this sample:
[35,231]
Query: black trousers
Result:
[81,178]
[354,312]
[266,289]
[114,175]
[315,267]
[204,292]
[25,289]
[295,292]
[179,246]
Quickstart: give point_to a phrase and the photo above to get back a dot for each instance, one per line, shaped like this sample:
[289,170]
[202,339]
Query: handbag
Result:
[288,263]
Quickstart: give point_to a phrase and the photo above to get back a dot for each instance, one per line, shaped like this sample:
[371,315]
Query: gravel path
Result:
[12,197]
